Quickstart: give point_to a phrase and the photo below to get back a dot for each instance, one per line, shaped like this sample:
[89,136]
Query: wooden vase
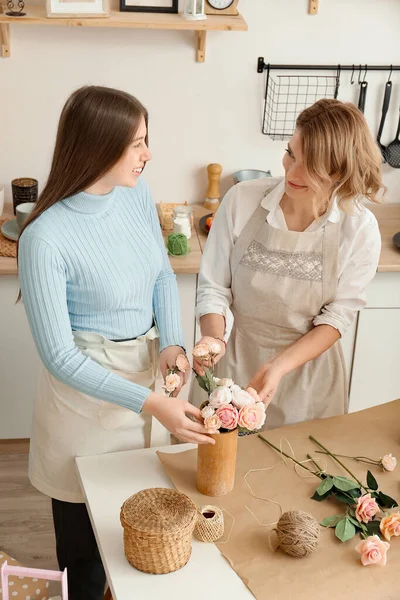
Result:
[216,464]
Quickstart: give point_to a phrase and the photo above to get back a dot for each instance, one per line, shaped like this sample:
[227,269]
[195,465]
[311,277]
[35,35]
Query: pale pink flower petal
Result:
[221,395]
[389,462]
[366,508]
[207,412]
[212,423]
[201,351]
[172,381]
[228,416]
[214,348]
[182,363]
[240,397]
[373,551]
[390,526]
[252,416]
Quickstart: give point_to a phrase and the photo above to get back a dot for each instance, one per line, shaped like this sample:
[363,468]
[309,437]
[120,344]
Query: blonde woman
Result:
[295,255]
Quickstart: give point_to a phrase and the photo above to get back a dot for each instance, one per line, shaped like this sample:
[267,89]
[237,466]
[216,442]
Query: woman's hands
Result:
[172,413]
[211,342]
[168,360]
[265,382]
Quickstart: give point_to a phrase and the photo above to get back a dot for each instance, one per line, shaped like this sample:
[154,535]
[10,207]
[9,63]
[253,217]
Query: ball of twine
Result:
[177,244]
[210,524]
[298,533]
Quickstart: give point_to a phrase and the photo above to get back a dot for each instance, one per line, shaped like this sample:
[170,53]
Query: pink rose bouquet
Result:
[228,406]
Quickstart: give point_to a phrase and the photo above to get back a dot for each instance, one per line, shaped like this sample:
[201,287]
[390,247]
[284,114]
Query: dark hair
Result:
[96,126]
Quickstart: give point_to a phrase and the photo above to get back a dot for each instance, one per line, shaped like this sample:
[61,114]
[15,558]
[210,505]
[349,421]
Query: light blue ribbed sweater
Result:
[99,264]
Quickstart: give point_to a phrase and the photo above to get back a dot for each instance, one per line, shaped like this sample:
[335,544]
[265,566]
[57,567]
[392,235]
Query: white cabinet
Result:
[376,369]
[19,364]
[375,376]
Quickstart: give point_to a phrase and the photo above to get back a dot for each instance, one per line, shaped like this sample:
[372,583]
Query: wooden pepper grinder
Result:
[213,196]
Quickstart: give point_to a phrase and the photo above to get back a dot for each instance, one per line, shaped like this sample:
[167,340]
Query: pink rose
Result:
[215,348]
[373,551]
[240,397]
[390,526]
[201,351]
[228,416]
[389,462]
[212,423]
[221,395]
[182,363]
[366,509]
[172,381]
[252,416]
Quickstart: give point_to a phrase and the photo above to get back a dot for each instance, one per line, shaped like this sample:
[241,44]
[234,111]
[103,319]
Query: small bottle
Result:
[183,220]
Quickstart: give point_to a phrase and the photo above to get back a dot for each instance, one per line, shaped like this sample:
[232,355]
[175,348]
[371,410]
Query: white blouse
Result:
[359,251]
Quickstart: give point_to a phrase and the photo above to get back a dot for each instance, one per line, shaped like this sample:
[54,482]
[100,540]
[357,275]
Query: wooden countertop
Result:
[388,216]
[189,264]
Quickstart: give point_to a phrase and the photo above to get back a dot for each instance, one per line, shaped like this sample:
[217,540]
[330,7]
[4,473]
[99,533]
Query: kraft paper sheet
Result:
[334,570]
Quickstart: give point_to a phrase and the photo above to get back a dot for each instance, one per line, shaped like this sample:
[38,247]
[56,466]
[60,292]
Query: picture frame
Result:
[79,9]
[149,6]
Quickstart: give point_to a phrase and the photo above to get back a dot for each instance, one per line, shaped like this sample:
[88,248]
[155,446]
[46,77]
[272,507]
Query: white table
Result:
[107,481]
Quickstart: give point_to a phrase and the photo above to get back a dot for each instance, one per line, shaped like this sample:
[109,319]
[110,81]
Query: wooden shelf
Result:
[36,15]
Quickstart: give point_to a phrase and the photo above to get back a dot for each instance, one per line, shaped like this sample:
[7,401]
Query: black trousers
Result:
[77,551]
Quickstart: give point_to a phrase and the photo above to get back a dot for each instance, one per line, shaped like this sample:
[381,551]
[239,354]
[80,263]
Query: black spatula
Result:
[393,150]
[363,95]
[385,106]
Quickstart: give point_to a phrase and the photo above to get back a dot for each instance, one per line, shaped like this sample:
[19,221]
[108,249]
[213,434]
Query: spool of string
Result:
[298,533]
[177,244]
[210,524]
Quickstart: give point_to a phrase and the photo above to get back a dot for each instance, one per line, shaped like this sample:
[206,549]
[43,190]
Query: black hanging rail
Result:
[262,66]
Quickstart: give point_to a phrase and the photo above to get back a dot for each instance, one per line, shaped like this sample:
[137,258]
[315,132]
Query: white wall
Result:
[200,113]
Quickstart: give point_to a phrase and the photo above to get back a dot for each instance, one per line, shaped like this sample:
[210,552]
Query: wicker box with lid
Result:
[158,525]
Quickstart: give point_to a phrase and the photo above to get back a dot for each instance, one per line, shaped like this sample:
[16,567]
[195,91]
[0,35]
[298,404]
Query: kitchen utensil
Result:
[247,174]
[10,230]
[363,95]
[393,150]
[213,194]
[385,107]
[396,240]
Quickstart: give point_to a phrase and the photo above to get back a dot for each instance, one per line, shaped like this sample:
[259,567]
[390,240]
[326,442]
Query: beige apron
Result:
[68,423]
[280,282]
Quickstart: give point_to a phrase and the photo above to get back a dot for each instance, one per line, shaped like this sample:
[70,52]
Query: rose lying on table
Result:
[228,406]
[366,508]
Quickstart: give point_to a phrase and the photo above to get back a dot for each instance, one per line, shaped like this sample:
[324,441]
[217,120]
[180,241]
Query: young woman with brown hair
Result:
[295,255]
[99,292]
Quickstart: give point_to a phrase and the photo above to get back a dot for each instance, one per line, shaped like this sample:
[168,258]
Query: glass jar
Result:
[183,220]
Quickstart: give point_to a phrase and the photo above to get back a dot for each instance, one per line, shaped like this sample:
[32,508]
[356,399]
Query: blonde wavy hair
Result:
[338,149]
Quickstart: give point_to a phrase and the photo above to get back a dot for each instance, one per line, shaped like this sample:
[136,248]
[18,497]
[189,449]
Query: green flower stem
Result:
[338,461]
[365,459]
[287,456]
[314,463]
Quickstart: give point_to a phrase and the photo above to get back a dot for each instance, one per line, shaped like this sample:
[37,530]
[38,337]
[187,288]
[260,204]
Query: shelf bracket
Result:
[201,46]
[313,7]
[4,38]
